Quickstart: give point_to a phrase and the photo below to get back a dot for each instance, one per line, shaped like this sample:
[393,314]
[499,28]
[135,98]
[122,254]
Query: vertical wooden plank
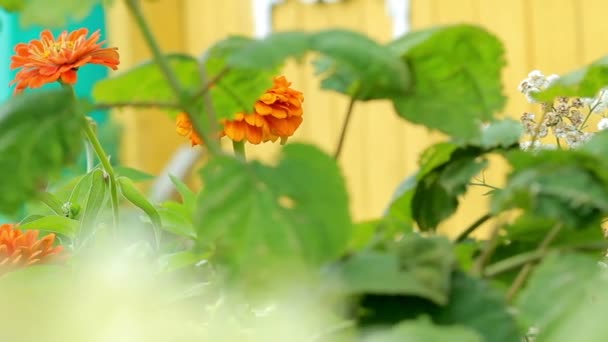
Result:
[149,130]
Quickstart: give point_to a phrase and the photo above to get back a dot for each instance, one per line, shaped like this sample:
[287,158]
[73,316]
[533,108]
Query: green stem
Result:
[107,166]
[462,236]
[525,271]
[486,254]
[347,118]
[239,148]
[184,99]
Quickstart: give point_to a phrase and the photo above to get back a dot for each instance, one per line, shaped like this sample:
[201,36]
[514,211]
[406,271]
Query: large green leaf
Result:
[415,266]
[40,132]
[259,215]
[564,185]
[38,12]
[456,78]
[423,330]
[474,304]
[358,66]
[56,224]
[564,294]
[354,64]
[585,82]
[146,82]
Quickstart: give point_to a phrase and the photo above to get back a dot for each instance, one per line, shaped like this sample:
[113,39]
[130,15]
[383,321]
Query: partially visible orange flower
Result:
[48,59]
[183,127]
[21,249]
[277,114]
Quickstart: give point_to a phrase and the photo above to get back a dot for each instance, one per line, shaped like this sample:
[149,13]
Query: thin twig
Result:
[462,236]
[485,185]
[214,80]
[525,271]
[137,104]
[349,113]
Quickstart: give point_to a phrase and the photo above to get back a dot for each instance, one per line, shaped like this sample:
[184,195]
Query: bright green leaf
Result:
[38,12]
[257,214]
[456,79]
[501,134]
[134,174]
[179,260]
[423,330]
[146,82]
[95,201]
[434,156]
[177,219]
[12,5]
[585,82]
[272,51]
[54,224]
[415,266]
[40,132]
[559,287]
[358,66]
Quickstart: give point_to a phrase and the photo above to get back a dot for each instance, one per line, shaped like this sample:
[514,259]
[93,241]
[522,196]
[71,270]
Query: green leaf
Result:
[272,51]
[130,192]
[12,5]
[434,156]
[177,219]
[188,196]
[415,266]
[179,260]
[95,202]
[358,66]
[573,280]
[423,330]
[501,133]
[562,185]
[585,82]
[354,64]
[38,12]
[456,79]
[244,83]
[259,215]
[473,304]
[55,224]
[436,195]
[40,132]
[147,83]
[134,174]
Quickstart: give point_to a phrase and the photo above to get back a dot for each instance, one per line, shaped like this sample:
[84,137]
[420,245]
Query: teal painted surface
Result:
[12,33]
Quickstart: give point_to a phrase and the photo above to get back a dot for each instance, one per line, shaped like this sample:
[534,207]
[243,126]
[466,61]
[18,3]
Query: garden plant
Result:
[269,252]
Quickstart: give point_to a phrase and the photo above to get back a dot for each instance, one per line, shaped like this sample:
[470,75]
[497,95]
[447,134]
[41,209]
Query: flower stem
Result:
[239,148]
[107,166]
[462,236]
[349,113]
[525,271]
[185,102]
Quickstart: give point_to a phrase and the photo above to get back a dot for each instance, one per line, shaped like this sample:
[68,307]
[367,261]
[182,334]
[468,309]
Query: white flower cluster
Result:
[534,83]
[564,117]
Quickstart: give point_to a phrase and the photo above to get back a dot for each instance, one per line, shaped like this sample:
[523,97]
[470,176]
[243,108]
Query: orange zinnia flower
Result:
[19,249]
[185,129]
[48,60]
[277,114]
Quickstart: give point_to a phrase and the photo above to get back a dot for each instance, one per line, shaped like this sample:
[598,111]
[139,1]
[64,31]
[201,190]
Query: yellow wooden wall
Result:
[552,35]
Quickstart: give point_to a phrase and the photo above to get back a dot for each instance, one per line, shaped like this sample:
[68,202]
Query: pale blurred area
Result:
[381,149]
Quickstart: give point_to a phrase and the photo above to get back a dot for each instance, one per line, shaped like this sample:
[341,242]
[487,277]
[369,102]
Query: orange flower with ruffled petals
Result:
[47,59]
[21,249]
[276,114]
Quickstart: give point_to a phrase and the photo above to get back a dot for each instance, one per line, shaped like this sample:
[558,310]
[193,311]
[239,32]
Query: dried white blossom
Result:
[603,124]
